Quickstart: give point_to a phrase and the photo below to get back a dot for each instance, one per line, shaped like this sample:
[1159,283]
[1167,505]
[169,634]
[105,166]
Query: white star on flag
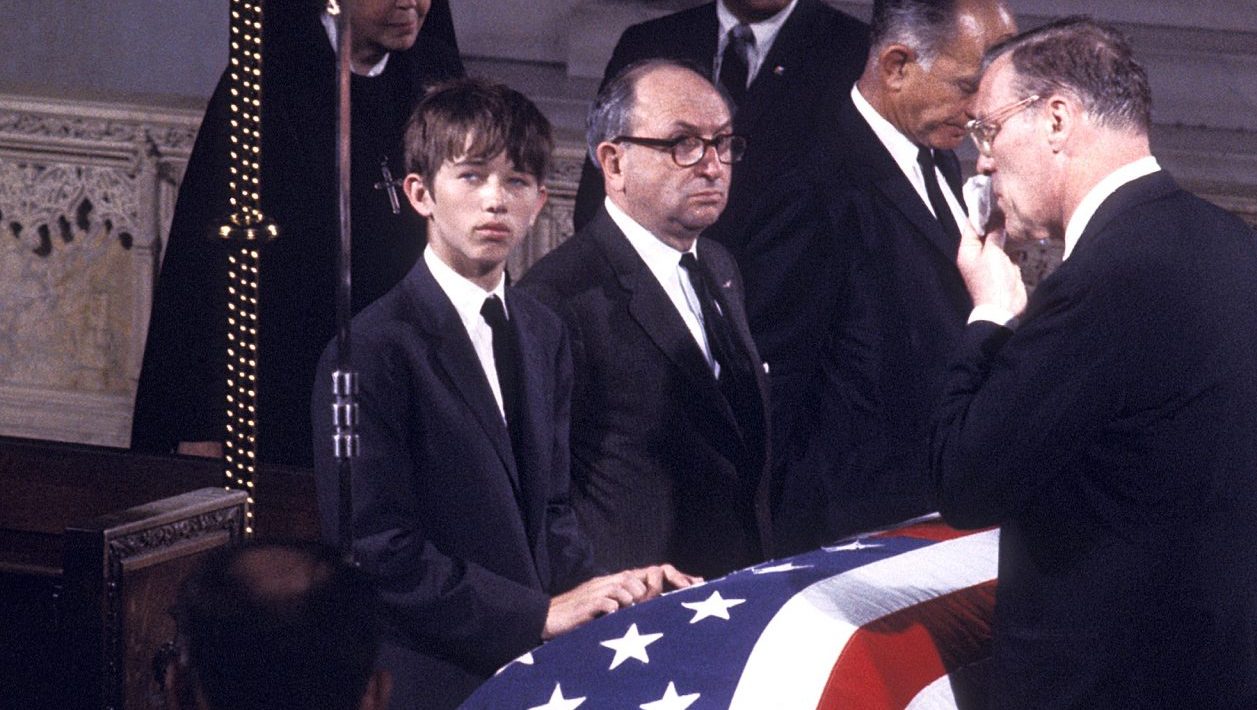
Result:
[558,702]
[786,567]
[852,546]
[670,700]
[714,606]
[526,660]
[630,645]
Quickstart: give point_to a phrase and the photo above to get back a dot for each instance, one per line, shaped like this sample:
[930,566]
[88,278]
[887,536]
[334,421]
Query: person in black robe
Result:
[180,402]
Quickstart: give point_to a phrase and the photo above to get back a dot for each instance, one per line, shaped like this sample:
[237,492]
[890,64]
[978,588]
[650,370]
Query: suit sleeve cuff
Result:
[994,314]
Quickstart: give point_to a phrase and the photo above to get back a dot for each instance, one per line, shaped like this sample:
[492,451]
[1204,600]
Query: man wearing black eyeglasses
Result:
[669,445]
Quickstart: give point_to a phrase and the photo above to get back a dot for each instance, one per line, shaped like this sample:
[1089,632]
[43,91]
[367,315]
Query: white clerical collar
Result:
[468,298]
[765,31]
[329,24]
[901,148]
[659,256]
[1101,192]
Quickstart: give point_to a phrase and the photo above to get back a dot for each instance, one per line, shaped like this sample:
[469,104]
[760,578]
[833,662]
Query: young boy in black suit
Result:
[460,492]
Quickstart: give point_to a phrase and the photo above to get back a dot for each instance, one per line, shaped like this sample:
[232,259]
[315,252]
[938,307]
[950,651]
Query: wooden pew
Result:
[93,544]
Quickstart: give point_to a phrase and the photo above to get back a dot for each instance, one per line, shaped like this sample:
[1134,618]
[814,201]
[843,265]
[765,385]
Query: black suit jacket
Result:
[1113,437]
[818,48]
[466,540]
[663,470]
[854,296]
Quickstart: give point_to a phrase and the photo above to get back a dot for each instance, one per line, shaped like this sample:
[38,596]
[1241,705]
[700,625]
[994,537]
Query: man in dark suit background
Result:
[460,494]
[782,57]
[1110,433]
[852,287]
[668,408]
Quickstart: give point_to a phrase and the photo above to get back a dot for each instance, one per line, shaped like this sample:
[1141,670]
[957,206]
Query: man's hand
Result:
[992,278]
[663,578]
[598,596]
[603,595]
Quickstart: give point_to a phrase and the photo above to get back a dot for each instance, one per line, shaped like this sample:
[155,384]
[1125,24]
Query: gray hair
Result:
[611,113]
[1087,59]
[924,26]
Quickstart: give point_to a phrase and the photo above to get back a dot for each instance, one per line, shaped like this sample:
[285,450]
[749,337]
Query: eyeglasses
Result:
[689,150]
[983,130]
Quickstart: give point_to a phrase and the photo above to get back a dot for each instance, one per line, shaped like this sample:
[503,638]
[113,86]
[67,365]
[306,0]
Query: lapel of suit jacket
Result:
[790,50]
[865,153]
[655,313]
[701,47]
[457,357]
[536,422]
[731,306]
[1126,197]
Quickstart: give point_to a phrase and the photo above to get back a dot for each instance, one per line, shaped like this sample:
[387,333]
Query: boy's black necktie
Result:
[505,359]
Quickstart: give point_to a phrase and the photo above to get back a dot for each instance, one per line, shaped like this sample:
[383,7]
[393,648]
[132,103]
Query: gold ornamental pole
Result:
[245,231]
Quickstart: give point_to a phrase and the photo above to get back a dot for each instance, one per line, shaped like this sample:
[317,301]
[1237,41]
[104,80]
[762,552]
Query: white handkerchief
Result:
[978,200]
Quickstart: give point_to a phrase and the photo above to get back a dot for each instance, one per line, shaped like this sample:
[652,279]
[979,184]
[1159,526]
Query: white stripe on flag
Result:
[935,696]
[793,658]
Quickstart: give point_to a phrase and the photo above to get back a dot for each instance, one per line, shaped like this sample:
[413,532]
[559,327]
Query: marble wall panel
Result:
[85,192]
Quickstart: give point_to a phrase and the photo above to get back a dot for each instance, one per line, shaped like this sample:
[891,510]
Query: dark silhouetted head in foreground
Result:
[276,626]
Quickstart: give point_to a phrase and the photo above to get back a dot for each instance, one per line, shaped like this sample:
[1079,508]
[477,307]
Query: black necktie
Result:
[505,358]
[506,362]
[734,63]
[719,335]
[737,380]
[925,158]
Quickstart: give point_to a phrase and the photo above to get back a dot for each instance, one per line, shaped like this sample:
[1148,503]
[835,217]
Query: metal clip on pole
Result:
[345,414]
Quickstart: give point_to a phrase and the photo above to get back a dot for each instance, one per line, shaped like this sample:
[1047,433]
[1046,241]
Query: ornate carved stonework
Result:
[555,223]
[150,539]
[85,191]
[1036,259]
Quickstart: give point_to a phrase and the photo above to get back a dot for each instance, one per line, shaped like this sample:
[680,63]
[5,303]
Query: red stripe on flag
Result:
[889,661]
[935,530]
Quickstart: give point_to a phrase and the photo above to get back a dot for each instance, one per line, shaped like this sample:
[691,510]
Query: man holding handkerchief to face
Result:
[880,203]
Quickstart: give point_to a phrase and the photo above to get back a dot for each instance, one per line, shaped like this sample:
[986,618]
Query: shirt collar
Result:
[765,31]
[901,148]
[1097,195]
[329,24]
[467,297]
[662,259]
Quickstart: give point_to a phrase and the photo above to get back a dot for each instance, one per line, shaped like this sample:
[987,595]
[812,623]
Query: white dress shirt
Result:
[765,32]
[665,263]
[468,298]
[329,24]
[904,152]
[1096,196]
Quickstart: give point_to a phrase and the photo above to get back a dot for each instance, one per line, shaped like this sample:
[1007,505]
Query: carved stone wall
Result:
[85,191]
[555,223]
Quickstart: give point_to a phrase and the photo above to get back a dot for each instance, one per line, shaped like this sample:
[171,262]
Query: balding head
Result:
[664,101]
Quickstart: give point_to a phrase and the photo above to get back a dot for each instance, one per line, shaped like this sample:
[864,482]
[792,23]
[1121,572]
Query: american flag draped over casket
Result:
[893,620]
